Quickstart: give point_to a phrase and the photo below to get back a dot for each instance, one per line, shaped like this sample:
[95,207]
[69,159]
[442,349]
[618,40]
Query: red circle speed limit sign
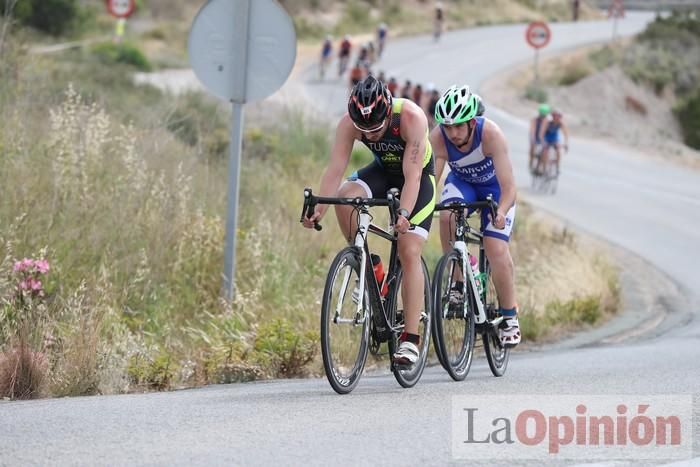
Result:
[121,8]
[538,34]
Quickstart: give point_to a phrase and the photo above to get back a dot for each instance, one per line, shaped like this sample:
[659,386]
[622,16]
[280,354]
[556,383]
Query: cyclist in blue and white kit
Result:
[549,134]
[326,52]
[535,140]
[475,149]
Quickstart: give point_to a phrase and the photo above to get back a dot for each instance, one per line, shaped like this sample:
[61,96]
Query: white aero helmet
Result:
[457,105]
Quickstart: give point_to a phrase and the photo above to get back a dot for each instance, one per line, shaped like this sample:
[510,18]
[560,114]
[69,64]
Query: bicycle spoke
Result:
[454,326]
[344,334]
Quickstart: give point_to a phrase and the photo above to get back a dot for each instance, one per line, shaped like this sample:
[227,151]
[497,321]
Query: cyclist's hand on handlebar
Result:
[499,222]
[402,225]
[309,222]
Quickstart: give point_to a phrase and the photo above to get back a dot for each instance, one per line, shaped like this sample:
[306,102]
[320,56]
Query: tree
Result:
[54,17]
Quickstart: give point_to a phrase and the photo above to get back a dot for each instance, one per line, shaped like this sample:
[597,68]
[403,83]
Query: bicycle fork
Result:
[480,315]
[359,243]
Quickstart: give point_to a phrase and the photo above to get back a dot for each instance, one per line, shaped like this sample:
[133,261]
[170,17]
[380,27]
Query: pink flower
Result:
[24,285]
[42,266]
[23,265]
[35,284]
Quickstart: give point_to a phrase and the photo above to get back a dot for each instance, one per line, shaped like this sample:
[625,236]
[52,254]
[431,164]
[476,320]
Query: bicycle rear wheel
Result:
[408,377]
[454,319]
[496,354]
[344,333]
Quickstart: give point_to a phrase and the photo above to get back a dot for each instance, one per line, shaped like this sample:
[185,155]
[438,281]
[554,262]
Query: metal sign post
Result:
[616,11]
[537,36]
[238,91]
[242,51]
[120,9]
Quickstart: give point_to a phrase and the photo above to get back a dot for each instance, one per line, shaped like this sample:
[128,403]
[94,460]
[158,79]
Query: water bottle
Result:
[477,275]
[378,268]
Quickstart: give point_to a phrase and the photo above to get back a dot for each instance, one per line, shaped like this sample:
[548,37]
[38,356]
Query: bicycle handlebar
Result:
[489,203]
[310,202]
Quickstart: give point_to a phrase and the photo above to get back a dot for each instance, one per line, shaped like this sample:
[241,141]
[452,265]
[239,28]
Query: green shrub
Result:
[157,33]
[306,29]
[678,24]
[355,19]
[688,113]
[152,372]
[568,315]
[55,17]
[604,57]
[109,53]
[573,73]
[535,93]
[666,54]
[198,122]
[283,350]
[653,65]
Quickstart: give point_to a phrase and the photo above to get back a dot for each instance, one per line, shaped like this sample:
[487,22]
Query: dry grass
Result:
[23,371]
[561,282]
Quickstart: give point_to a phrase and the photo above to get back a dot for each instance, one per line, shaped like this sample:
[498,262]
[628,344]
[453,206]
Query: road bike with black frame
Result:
[355,317]
[544,180]
[459,315]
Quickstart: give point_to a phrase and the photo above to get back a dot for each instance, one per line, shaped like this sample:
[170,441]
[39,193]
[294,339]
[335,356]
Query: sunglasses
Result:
[368,131]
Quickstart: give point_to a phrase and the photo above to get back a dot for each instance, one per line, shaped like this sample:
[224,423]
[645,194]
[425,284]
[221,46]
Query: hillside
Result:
[643,93]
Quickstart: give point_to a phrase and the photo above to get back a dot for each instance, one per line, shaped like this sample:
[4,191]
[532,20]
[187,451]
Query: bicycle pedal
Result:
[496,322]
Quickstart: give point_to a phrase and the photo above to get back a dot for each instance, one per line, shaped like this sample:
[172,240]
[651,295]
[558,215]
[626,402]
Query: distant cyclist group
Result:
[544,161]
[367,54]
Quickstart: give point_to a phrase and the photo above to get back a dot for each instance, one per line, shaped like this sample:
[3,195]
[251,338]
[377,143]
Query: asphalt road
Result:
[640,206]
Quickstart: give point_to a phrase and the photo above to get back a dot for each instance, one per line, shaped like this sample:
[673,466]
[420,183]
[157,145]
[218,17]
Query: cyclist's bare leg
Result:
[447,229]
[532,156]
[346,220]
[410,247]
[558,155]
[498,253]
[544,159]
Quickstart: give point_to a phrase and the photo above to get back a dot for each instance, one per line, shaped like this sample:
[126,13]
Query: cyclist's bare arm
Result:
[345,134]
[414,130]
[439,153]
[543,129]
[566,135]
[496,147]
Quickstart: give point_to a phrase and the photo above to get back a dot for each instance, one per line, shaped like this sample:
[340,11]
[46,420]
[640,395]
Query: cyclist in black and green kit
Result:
[396,131]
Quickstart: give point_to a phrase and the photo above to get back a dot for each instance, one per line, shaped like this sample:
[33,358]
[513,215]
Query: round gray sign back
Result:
[234,65]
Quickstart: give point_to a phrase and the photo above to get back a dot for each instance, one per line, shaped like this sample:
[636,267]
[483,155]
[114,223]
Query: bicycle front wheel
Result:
[496,354]
[408,377]
[454,317]
[344,331]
